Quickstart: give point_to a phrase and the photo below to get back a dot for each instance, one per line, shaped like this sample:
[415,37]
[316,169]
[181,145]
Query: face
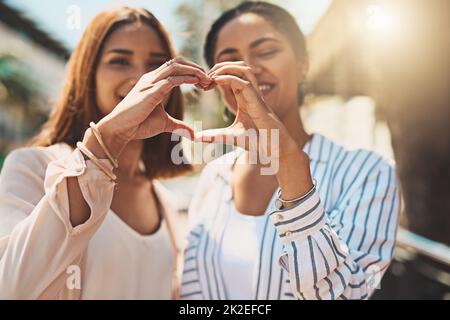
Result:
[250,38]
[128,53]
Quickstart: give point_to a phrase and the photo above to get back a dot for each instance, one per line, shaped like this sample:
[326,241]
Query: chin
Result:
[105,112]
[274,106]
[280,112]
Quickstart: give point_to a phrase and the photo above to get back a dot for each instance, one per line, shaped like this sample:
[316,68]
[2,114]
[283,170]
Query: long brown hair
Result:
[77,106]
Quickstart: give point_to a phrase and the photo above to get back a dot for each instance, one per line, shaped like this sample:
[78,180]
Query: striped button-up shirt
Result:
[335,244]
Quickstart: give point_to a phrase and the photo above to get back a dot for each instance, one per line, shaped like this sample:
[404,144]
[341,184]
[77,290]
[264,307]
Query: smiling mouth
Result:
[266,88]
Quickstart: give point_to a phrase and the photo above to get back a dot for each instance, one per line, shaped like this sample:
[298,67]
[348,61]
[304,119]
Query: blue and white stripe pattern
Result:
[336,244]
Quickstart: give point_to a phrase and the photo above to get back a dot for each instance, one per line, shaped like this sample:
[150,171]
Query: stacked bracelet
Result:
[99,138]
[96,161]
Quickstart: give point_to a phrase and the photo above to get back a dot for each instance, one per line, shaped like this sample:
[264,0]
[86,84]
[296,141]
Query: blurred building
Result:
[32,67]
[342,77]
[380,72]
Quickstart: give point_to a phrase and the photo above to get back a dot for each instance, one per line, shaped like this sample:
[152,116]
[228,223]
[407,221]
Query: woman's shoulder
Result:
[350,168]
[24,170]
[343,157]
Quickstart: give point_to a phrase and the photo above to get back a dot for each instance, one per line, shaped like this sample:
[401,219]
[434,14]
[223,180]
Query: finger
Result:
[239,70]
[244,72]
[177,69]
[184,61]
[179,60]
[171,82]
[179,127]
[203,87]
[199,86]
[221,136]
[156,93]
[245,94]
[211,86]
[236,83]
[221,64]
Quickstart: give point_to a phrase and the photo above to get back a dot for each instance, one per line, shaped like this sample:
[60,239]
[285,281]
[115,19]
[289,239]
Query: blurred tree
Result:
[17,85]
[196,16]
[21,102]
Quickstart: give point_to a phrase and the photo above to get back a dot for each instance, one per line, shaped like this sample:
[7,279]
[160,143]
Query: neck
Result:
[294,125]
[129,160]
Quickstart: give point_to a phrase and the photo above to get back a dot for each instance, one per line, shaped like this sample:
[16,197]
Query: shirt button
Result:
[78,167]
[278,204]
[288,234]
[278,217]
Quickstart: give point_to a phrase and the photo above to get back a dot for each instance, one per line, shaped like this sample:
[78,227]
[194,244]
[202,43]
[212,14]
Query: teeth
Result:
[264,87]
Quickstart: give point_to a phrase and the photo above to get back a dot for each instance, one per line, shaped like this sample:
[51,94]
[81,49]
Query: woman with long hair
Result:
[317,221]
[82,214]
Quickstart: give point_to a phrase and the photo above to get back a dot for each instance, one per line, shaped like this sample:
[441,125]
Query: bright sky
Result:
[52,16]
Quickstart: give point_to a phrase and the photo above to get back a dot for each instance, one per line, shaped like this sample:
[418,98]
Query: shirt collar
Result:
[318,148]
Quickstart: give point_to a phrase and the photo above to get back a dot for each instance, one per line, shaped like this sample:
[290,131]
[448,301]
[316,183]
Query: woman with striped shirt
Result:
[322,225]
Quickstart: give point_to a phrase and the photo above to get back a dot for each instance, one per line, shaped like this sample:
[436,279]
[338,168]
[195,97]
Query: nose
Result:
[134,75]
[139,70]
[256,67]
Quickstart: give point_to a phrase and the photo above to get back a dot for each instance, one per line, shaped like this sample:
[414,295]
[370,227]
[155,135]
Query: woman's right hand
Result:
[141,114]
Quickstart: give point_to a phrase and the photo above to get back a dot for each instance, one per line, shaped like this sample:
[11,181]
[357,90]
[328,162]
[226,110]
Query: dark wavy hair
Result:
[279,18]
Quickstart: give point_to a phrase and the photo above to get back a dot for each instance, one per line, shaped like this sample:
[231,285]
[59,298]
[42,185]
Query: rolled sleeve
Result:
[301,220]
[95,185]
[38,242]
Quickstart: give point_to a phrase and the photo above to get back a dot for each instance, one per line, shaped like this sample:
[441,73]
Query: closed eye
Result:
[229,59]
[119,61]
[267,54]
[155,65]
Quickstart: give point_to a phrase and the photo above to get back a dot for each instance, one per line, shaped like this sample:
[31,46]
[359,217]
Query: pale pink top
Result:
[43,257]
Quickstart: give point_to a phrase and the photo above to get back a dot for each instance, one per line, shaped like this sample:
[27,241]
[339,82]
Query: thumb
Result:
[220,136]
[179,127]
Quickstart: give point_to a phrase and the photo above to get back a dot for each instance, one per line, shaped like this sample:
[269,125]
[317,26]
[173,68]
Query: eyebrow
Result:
[253,45]
[130,52]
[262,40]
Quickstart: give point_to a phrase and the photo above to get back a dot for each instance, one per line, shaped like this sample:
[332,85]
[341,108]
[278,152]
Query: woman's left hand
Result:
[240,88]
[238,84]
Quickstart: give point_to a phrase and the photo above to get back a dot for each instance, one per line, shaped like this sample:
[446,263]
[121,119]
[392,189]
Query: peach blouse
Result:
[43,257]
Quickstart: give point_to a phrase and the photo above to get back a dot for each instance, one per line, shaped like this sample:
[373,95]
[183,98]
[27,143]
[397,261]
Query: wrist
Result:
[111,139]
[289,151]
[114,145]
[92,144]
[294,175]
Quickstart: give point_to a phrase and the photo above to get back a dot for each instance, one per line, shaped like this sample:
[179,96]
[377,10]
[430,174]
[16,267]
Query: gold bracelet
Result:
[99,138]
[96,161]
